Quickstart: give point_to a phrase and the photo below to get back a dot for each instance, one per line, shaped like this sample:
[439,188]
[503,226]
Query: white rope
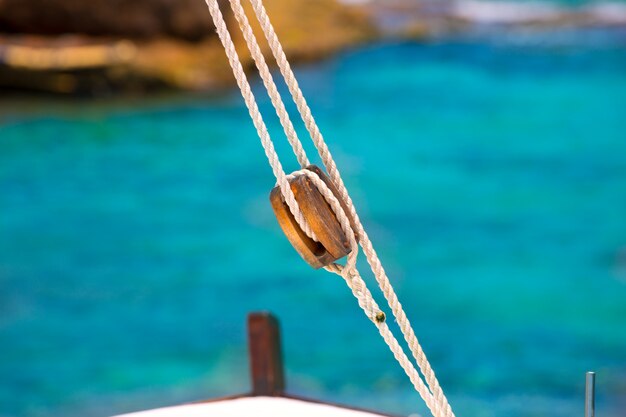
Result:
[255,114]
[333,172]
[364,298]
[268,81]
[434,399]
[360,291]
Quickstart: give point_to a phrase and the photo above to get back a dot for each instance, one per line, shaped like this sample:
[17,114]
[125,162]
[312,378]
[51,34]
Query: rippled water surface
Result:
[136,235]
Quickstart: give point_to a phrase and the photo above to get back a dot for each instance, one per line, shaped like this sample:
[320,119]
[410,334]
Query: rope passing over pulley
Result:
[332,243]
[314,210]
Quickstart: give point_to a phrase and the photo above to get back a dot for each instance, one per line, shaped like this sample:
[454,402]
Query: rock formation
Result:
[139,44]
[181,19]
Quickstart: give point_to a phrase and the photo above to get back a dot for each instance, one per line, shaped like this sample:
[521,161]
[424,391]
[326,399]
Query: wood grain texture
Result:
[333,243]
[266,361]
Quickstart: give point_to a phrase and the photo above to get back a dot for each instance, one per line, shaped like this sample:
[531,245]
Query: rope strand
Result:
[269,83]
[333,172]
[434,398]
[255,115]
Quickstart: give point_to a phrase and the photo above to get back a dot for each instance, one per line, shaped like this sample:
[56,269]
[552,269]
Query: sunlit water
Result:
[135,236]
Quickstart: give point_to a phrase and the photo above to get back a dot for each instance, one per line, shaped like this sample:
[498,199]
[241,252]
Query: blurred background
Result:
[484,143]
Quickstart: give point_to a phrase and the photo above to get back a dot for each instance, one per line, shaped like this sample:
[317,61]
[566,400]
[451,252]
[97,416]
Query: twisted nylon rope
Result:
[436,401]
[364,297]
[333,172]
[256,117]
[361,292]
[269,83]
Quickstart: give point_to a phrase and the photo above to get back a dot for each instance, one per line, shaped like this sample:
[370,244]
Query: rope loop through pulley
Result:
[333,228]
[315,211]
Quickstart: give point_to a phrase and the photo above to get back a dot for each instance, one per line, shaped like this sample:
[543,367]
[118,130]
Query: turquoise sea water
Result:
[136,235]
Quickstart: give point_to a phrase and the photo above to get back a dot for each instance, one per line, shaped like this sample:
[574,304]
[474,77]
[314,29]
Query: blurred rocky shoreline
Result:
[104,46]
[97,47]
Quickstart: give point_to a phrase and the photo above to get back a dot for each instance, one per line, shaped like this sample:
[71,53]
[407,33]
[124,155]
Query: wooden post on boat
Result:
[266,360]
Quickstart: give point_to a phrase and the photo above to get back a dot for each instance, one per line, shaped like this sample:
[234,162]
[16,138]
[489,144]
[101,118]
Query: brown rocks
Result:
[173,42]
[183,19]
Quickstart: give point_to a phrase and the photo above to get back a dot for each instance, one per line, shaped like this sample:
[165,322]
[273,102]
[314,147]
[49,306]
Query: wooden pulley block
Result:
[333,243]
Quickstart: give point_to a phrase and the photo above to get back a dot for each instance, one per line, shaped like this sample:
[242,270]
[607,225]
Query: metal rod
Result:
[590,393]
